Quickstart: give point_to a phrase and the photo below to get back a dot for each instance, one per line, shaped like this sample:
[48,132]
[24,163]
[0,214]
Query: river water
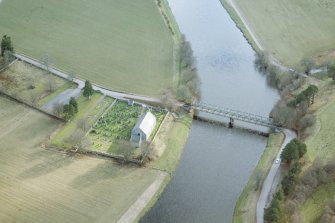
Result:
[217,162]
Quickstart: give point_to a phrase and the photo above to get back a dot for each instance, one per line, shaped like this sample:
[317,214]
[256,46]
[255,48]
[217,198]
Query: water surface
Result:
[217,162]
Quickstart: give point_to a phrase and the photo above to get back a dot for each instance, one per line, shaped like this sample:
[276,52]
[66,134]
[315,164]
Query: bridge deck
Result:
[234,114]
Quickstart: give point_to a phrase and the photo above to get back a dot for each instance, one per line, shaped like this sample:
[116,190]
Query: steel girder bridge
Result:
[233,115]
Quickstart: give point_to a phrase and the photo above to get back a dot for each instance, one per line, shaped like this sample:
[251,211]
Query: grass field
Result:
[30,84]
[314,206]
[322,143]
[245,208]
[291,30]
[123,45]
[37,185]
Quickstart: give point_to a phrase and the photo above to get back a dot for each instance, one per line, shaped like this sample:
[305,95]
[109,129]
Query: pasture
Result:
[291,30]
[38,185]
[122,45]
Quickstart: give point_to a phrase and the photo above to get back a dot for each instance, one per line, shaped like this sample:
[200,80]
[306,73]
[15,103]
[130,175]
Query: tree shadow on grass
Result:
[102,172]
[49,162]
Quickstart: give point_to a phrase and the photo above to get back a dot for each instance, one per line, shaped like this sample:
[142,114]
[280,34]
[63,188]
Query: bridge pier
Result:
[231,122]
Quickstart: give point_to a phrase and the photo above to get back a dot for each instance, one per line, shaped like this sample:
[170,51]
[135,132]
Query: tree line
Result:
[291,157]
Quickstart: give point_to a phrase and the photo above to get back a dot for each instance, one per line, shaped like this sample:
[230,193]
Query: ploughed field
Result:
[120,44]
[292,30]
[38,185]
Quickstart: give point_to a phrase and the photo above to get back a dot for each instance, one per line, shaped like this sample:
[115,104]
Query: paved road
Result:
[272,180]
[81,83]
[63,98]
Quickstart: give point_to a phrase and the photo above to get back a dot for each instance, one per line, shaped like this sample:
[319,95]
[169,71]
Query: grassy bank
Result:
[123,45]
[239,23]
[290,30]
[321,144]
[245,209]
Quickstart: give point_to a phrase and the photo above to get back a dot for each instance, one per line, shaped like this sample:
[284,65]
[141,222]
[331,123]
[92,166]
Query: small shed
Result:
[143,128]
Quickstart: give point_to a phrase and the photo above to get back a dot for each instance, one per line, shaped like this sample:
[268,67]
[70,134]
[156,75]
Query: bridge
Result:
[233,115]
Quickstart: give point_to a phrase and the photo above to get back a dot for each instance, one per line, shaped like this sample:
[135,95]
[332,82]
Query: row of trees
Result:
[306,96]
[67,110]
[189,84]
[291,155]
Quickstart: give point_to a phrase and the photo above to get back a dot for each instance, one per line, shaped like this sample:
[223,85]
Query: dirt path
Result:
[143,200]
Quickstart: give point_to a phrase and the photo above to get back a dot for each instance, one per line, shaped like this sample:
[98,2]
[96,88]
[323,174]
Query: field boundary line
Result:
[33,107]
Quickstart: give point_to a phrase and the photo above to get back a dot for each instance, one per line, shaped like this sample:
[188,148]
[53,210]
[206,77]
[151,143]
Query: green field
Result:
[120,44]
[38,185]
[291,30]
[321,144]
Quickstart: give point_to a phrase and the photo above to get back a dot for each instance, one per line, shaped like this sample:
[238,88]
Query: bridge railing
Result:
[230,113]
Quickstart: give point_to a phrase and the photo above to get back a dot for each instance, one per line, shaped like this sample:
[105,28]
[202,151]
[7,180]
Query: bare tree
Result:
[46,61]
[168,100]
[71,76]
[83,124]
[34,97]
[57,108]
[146,149]
[308,65]
[50,85]
[78,140]
[126,150]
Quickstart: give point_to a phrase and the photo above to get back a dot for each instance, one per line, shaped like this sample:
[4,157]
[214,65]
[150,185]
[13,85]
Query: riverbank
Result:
[245,209]
[174,143]
[289,31]
[241,24]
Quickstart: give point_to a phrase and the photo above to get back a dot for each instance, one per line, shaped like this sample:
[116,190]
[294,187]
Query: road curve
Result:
[81,83]
[272,179]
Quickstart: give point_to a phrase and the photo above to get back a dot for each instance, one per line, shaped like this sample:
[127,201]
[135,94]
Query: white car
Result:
[277,161]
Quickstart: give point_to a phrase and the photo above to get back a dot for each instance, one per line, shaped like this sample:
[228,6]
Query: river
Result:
[217,162]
